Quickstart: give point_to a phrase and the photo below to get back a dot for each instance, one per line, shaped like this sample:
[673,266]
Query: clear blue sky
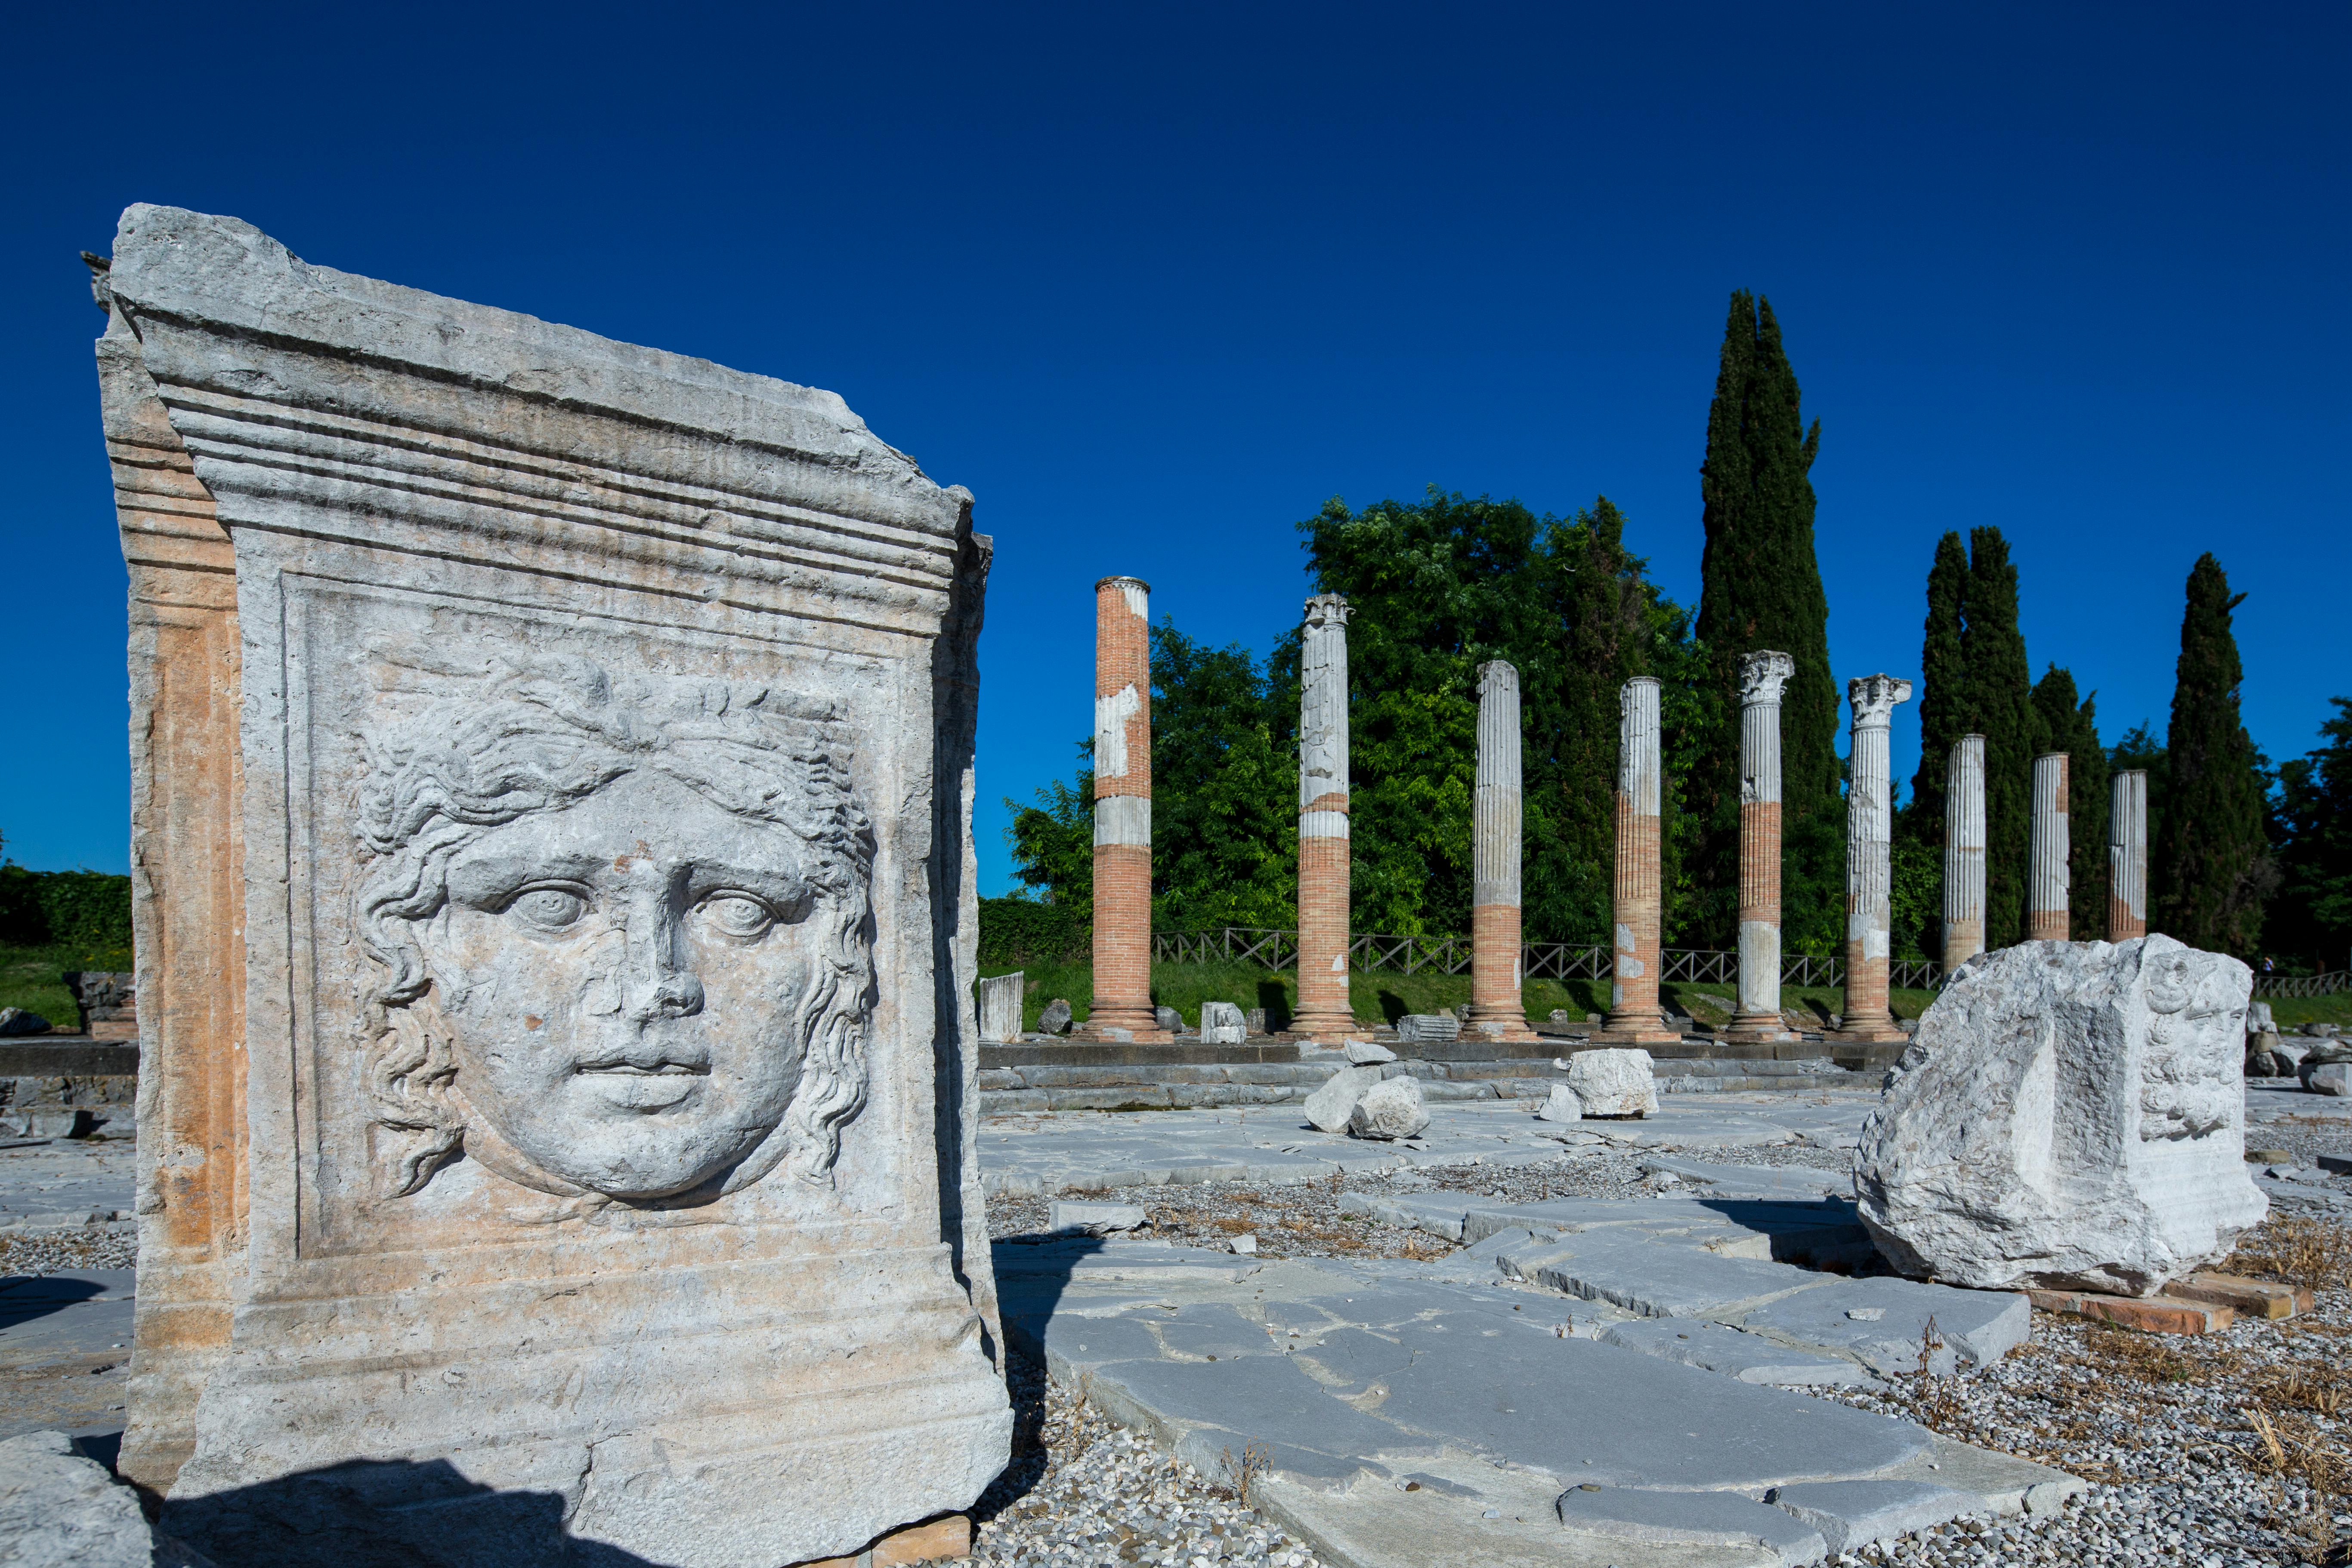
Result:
[1154,283]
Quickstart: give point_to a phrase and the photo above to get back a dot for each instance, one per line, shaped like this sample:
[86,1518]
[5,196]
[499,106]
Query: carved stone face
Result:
[2191,1074]
[623,977]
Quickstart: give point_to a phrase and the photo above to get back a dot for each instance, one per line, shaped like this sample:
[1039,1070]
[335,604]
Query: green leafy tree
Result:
[2216,871]
[1225,786]
[1053,840]
[1998,686]
[2312,837]
[1761,588]
[2072,727]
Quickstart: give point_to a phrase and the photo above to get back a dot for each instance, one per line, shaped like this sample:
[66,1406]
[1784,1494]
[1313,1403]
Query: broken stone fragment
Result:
[1389,1110]
[1095,1218]
[1222,1023]
[1365,1052]
[1615,1082]
[1056,1018]
[1328,1108]
[1562,1105]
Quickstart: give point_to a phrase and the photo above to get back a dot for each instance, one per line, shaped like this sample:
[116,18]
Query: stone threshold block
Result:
[934,1540]
[2148,1314]
[2247,1298]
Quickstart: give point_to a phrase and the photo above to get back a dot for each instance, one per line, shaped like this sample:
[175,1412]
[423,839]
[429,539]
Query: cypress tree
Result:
[1761,588]
[1999,685]
[2215,860]
[2074,728]
[1943,719]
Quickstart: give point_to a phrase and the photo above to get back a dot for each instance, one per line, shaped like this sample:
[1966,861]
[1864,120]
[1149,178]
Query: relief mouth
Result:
[639,1069]
[634,1086]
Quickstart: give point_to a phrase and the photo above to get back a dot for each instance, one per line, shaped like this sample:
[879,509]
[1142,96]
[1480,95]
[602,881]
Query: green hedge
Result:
[87,911]
[1016,930]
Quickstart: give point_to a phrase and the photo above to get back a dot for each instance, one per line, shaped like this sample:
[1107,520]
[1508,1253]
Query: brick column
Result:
[2127,858]
[1122,1005]
[1633,1018]
[1964,852]
[1869,858]
[2048,880]
[1324,1009]
[1496,1010]
[1762,678]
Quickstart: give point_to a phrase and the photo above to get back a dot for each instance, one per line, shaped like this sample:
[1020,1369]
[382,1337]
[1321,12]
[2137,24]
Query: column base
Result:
[1126,1024]
[1868,1033]
[1501,1027]
[1629,1033]
[1325,1026]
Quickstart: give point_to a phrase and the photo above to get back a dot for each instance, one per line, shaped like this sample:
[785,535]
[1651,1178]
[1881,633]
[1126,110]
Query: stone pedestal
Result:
[1869,861]
[1633,1018]
[2049,880]
[2127,857]
[1325,1011]
[1122,1006]
[1001,996]
[1762,678]
[556,921]
[1964,852]
[1496,1010]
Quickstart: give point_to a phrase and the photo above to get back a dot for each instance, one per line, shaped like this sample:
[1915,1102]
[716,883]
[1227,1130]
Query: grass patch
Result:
[33,978]
[2293,1012]
[1379,995]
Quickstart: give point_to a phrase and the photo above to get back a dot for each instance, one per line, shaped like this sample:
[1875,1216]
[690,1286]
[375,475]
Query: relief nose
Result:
[660,985]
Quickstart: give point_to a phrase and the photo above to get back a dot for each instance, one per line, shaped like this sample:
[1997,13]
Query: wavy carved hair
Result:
[538,733]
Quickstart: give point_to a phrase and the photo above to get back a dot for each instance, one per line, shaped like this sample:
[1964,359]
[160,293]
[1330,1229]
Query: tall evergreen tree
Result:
[2074,728]
[1943,689]
[2000,686]
[1761,588]
[2217,872]
[2313,832]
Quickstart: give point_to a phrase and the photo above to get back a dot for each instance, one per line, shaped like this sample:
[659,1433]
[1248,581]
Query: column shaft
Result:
[1496,1006]
[1122,940]
[1634,1015]
[2049,882]
[1324,1008]
[1964,852]
[2127,858]
[1870,854]
[1762,678]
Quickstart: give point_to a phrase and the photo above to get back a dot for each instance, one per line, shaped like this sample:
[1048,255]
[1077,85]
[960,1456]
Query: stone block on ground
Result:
[1614,1082]
[1056,1018]
[1392,1108]
[1095,1218]
[1169,1020]
[1000,1007]
[2072,1115]
[1420,1027]
[1365,1052]
[1328,1108]
[1851,1515]
[2333,1078]
[1561,1104]
[1223,1024]
[2247,1298]
[2148,1314]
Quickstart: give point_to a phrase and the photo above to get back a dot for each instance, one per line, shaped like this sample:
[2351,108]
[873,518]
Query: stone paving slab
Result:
[1409,1413]
[1750,1357]
[1054,1151]
[65,1183]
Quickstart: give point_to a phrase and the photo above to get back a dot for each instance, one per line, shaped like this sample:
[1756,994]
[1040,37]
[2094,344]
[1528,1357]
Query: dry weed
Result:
[2312,1253]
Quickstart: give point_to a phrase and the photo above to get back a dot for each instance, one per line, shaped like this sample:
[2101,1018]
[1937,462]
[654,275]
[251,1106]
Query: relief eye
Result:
[550,909]
[738,914]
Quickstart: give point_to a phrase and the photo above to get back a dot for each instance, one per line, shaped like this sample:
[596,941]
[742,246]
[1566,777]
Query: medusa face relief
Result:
[2191,1073]
[621,979]
[625,936]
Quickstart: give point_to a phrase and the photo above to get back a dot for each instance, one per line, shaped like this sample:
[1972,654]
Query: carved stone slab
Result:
[606,1134]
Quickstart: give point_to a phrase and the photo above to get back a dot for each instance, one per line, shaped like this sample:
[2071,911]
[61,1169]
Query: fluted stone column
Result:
[2049,880]
[1634,1015]
[1496,1006]
[1324,1010]
[2127,857]
[1964,853]
[1762,678]
[1122,945]
[1869,858]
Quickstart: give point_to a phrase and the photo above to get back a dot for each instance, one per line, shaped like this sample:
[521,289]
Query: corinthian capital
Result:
[1327,610]
[1874,698]
[1763,676]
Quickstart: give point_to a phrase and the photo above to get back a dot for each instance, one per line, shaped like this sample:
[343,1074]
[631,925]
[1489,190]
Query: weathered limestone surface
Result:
[1325,1011]
[1617,1083]
[2071,1115]
[2048,876]
[1763,677]
[1122,931]
[1869,858]
[1223,1024]
[61,1510]
[1964,852]
[2127,856]
[1633,1016]
[557,918]
[1328,1108]
[1000,1007]
[1390,1108]
[1496,1007]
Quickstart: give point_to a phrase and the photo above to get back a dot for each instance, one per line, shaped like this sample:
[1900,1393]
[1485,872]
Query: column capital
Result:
[1327,610]
[1763,676]
[1874,698]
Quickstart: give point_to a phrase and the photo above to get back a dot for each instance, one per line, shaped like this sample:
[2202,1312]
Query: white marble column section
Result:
[1763,677]
[2049,880]
[1964,852]
[2127,857]
[1870,854]
[1496,1008]
[1324,1009]
[1634,1015]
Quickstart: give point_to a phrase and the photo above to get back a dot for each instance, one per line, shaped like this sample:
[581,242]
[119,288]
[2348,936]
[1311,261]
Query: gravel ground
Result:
[1081,1490]
[49,1251]
[2305,1137]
